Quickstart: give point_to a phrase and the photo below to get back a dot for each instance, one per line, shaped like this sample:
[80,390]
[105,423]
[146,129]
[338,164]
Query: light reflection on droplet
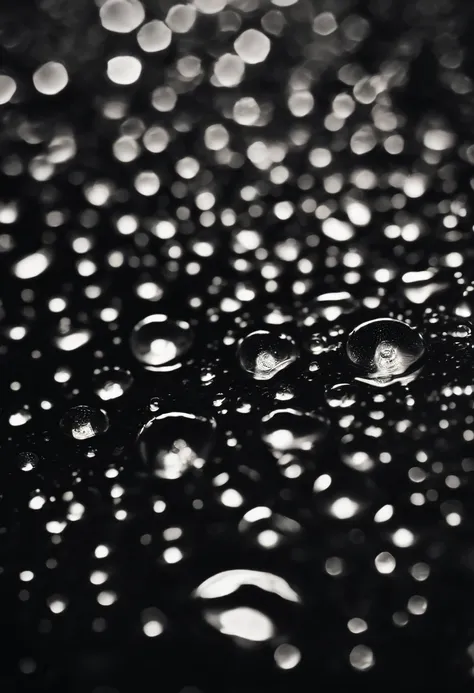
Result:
[175,442]
[158,342]
[264,354]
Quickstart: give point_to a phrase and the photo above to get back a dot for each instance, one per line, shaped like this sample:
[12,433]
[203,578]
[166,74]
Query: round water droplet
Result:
[175,442]
[263,354]
[83,422]
[27,461]
[154,404]
[289,430]
[110,383]
[158,342]
[385,351]
[341,395]
[345,507]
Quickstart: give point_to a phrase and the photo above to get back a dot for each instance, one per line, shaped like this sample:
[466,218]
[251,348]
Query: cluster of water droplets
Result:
[236,402]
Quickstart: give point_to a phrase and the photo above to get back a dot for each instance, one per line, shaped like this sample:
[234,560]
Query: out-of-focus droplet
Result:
[332,305]
[70,339]
[242,622]
[341,395]
[385,351]
[83,422]
[50,78]
[110,383]
[32,265]
[159,342]
[263,354]
[7,88]
[124,69]
[344,508]
[420,286]
[229,581]
[121,16]
[27,461]
[175,442]
[252,46]
[289,430]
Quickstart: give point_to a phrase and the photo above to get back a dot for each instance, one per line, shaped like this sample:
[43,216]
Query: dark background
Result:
[424,51]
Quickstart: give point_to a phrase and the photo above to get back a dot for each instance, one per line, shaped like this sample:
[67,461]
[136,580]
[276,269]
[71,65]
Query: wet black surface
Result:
[232,495]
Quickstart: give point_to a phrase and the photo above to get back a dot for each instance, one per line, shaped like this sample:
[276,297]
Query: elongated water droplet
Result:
[289,430]
[385,351]
[420,286]
[159,342]
[331,306]
[83,422]
[263,354]
[173,443]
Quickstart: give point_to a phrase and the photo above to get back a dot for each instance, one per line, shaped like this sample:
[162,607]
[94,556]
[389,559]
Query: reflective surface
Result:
[236,387]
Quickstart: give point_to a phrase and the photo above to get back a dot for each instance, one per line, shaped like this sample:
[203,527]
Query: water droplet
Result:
[175,442]
[242,622]
[110,383]
[154,404]
[83,422]
[158,342]
[289,430]
[460,331]
[420,286]
[341,395]
[331,306]
[344,508]
[385,351]
[228,582]
[263,354]
[27,461]
[32,265]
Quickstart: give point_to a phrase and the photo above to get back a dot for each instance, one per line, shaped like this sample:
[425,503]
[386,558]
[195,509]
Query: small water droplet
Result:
[341,395]
[154,404]
[159,342]
[27,461]
[110,383]
[460,331]
[385,351]
[175,442]
[263,354]
[289,430]
[83,422]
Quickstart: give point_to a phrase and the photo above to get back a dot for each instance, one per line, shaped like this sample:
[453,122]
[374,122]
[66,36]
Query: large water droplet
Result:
[385,351]
[263,354]
[110,383]
[289,430]
[158,342]
[173,443]
[84,422]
